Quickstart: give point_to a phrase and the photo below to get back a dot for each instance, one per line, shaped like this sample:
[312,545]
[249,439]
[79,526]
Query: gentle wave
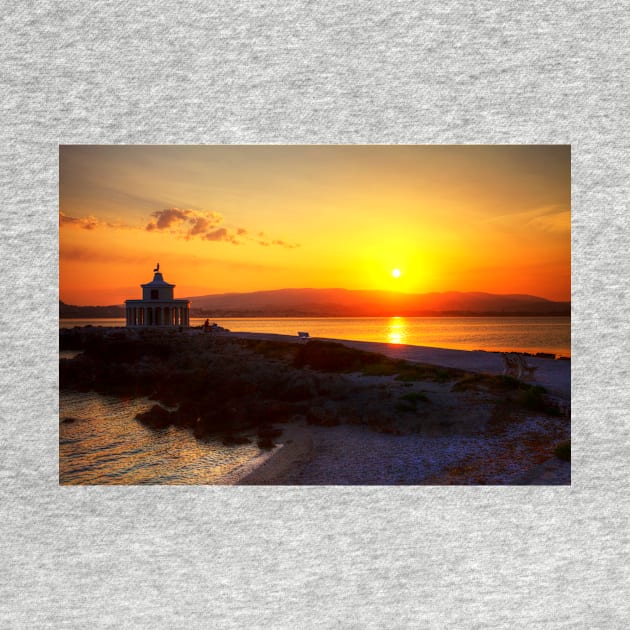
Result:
[106,445]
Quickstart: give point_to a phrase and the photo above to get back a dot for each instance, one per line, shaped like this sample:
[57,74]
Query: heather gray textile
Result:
[301,72]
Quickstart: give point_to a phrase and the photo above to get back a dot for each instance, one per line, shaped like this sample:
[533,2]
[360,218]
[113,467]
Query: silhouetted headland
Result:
[346,303]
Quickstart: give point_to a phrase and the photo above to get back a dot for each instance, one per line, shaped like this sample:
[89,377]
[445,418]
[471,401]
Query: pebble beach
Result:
[353,455]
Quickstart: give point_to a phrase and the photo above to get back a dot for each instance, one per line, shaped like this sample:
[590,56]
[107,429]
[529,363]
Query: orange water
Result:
[500,334]
[106,445]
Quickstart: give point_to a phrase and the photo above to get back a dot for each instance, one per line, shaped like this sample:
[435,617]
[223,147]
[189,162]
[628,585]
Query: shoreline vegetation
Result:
[338,412]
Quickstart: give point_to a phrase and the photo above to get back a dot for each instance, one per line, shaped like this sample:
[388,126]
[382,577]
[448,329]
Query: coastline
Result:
[303,444]
[456,441]
[308,456]
[528,335]
[296,448]
[552,374]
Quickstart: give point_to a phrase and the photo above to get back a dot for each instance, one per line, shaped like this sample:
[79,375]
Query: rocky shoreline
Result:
[318,398]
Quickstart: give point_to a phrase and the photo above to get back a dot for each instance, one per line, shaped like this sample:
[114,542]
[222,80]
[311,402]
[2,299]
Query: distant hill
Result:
[345,303]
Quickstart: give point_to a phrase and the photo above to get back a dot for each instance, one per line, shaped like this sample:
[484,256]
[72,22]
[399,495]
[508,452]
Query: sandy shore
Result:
[356,455]
[296,449]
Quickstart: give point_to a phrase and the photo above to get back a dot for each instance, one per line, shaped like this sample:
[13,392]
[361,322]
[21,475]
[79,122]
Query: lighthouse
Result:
[158,307]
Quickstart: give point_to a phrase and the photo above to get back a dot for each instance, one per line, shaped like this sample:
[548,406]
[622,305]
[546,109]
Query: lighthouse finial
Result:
[157,268]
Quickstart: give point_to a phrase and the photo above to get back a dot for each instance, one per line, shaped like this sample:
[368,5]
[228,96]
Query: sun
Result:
[396,273]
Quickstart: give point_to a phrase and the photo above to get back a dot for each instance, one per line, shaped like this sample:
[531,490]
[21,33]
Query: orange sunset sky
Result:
[224,219]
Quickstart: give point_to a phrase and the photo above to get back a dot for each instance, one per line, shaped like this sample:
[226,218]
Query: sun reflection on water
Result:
[397,330]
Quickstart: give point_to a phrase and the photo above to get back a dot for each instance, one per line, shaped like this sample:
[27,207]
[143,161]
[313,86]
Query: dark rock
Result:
[157,417]
[266,443]
[188,413]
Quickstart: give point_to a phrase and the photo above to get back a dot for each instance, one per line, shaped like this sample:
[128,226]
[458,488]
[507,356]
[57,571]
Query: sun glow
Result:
[232,219]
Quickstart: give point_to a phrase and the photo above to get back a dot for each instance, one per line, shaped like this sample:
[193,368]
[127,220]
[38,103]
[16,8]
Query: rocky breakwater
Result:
[231,387]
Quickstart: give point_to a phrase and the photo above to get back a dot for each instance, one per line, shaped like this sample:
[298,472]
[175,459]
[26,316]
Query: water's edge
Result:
[492,334]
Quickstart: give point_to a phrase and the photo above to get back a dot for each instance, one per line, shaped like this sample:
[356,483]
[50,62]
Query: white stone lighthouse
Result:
[157,306]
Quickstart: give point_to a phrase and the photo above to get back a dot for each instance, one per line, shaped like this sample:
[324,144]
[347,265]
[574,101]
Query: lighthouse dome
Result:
[157,289]
[157,307]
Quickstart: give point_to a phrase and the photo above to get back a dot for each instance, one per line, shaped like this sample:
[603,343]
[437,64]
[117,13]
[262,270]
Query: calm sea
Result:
[521,334]
[105,444]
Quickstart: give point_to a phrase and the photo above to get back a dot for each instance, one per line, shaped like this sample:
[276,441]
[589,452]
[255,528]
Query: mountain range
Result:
[348,303]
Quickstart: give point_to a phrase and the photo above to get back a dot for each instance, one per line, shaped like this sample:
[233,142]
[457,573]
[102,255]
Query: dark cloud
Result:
[86,223]
[217,235]
[277,242]
[200,226]
[170,216]
[284,244]
[184,222]
[222,234]
[66,220]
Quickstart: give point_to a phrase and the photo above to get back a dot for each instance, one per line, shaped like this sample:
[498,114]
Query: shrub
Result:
[530,399]
[381,369]
[157,417]
[422,372]
[488,382]
[330,356]
[416,397]
[404,406]
[269,349]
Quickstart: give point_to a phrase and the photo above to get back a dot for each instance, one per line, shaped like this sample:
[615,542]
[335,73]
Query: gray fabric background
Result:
[327,72]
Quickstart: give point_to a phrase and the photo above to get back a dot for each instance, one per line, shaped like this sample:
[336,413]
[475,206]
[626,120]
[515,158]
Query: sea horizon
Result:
[528,333]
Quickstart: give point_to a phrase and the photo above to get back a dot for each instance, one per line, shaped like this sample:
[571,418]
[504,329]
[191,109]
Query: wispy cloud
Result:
[222,234]
[559,221]
[208,226]
[553,219]
[88,223]
[266,241]
[85,254]
[184,223]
